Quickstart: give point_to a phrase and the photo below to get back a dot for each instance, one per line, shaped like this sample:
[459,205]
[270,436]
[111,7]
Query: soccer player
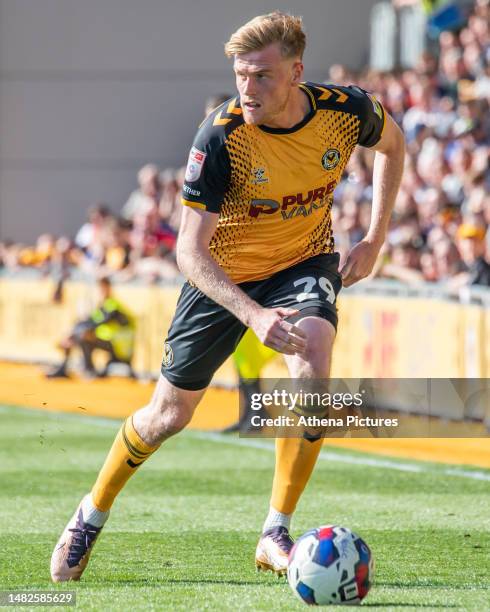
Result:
[257,250]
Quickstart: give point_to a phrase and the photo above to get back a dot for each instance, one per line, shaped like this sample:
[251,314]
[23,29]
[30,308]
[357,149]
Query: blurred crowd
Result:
[440,226]
[137,243]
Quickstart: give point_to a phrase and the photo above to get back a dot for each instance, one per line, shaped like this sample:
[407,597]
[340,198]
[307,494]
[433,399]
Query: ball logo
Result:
[168,355]
[330,159]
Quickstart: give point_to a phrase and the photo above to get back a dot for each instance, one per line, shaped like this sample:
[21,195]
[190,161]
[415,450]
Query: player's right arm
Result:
[207,180]
[197,265]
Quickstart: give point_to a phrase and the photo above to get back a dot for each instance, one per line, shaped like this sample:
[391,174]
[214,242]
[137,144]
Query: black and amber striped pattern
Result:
[225,114]
[136,454]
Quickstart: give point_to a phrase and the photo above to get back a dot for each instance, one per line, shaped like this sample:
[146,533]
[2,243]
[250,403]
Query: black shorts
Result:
[203,334]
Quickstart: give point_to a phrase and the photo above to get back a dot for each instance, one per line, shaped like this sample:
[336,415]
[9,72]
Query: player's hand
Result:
[360,262]
[272,330]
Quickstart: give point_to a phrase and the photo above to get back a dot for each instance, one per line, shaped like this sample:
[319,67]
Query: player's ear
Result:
[297,72]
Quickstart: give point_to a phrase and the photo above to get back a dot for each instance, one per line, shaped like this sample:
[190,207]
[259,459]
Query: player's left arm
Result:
[387,173]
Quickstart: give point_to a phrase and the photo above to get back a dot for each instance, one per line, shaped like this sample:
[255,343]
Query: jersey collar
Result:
[303,122]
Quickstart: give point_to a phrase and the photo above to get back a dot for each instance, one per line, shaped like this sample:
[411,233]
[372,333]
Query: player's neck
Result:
[296,110]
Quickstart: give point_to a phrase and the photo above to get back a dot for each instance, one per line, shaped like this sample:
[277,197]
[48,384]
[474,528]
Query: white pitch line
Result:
[325,455]
[364,461]
[460,472]
[350,459]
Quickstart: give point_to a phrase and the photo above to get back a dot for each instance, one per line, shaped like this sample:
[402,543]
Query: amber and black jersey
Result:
[273,187]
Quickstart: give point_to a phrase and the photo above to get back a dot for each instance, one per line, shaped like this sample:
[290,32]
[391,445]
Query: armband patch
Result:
[195,164]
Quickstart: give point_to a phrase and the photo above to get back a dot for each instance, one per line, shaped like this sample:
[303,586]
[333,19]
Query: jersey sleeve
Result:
[208,171]
[371,115]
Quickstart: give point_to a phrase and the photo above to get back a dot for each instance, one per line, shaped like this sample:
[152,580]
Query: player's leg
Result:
[61,371]
[201,337]
[87,344]
[295,456]
[168,412]
[311,287]
[67,345]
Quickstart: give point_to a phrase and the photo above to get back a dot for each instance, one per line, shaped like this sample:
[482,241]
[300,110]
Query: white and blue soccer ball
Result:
[330,565]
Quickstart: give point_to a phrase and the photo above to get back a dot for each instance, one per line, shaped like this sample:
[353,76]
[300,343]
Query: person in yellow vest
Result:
[109,328]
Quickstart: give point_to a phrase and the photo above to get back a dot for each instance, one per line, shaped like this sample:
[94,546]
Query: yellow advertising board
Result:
[391,337]
[378,337]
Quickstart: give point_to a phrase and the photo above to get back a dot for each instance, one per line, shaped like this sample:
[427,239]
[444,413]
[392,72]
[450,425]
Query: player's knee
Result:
[169,415]
[315,364]
[175,420]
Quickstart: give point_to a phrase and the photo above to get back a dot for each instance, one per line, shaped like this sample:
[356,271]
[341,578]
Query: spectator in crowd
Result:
[170,206]
[91,236]
[147,196]
[40,255]
[158,266]
[109,328]
[472,248]
[65,256]
[443,107]
[118,247]
[447,124]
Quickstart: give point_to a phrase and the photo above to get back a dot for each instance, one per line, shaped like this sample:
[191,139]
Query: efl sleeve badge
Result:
[195,164]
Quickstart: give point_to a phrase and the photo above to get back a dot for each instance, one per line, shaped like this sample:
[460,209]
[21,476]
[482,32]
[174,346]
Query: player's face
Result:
[265,81]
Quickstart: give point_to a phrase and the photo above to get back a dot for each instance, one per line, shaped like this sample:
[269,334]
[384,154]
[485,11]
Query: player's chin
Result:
[253,118]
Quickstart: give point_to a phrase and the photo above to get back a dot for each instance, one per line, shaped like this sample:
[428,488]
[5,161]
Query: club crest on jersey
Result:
[195,164]
[168,355]
[259,176]
[330,159]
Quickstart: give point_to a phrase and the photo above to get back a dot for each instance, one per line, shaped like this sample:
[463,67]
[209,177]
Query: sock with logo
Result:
[128,452]
[295,460]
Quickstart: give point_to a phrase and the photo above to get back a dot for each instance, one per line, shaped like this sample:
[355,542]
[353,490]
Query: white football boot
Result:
[273,550]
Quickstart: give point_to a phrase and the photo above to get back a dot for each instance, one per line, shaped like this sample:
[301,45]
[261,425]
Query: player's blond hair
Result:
[264,30]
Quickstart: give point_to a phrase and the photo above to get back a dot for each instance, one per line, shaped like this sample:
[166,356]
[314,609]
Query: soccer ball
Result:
[330,565]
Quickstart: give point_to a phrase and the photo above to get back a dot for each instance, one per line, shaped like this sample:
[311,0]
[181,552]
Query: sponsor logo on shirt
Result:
[195,164]
[190,191]
[259,176]
[294,205]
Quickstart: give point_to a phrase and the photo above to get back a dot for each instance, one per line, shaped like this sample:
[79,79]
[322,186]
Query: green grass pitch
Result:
[182,534]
